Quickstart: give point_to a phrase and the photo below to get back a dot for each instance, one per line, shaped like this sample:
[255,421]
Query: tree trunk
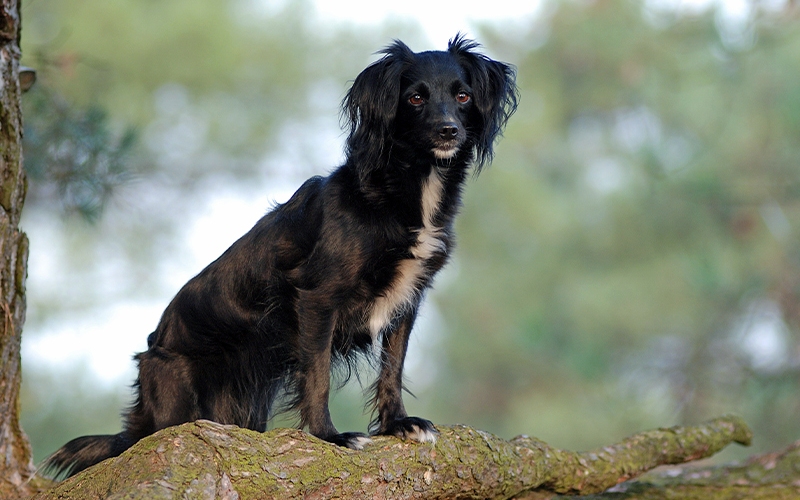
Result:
[16,465]
[207,460]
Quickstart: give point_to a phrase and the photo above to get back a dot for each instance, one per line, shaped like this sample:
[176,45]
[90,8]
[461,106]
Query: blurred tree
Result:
[632,258]
[72,156]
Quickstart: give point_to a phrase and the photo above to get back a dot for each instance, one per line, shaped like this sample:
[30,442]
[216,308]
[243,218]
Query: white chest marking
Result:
[429,241]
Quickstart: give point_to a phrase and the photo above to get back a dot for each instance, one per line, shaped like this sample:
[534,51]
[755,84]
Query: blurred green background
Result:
[630,260]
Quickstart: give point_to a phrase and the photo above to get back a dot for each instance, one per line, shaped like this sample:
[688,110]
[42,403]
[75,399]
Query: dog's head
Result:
[443,105]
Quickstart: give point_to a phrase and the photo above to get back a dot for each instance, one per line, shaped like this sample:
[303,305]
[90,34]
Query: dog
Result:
[336,272]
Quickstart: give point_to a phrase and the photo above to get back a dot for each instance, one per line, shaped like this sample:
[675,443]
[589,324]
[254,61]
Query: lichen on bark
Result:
[207,460]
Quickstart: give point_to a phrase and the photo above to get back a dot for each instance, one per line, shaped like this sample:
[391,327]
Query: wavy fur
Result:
[337,271]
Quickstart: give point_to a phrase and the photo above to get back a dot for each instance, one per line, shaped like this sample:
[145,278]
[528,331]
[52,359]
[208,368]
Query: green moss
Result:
[203,459]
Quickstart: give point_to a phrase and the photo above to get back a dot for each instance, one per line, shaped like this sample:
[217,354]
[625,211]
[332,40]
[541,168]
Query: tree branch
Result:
[770,476]
[204,458]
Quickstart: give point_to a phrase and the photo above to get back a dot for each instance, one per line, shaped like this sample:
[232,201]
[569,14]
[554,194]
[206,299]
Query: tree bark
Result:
[771,476]
[16,466]
[207,460]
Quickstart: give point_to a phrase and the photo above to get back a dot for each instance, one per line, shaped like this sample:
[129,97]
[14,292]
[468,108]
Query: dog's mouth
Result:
[445,151]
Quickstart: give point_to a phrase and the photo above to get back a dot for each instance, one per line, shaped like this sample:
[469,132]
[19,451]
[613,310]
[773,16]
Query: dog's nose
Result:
[448,131]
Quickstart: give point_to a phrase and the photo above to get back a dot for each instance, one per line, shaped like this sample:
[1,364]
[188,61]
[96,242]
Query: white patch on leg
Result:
[409,271]
[360,442]
[421,435]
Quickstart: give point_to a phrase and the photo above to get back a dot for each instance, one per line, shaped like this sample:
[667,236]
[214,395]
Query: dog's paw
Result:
[352,440]
[414,428]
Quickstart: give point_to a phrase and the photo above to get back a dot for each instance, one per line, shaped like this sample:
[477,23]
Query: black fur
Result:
[340,266]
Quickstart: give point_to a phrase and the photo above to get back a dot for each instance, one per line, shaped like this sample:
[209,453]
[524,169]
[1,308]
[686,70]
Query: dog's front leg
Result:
[313,382]
[392,417]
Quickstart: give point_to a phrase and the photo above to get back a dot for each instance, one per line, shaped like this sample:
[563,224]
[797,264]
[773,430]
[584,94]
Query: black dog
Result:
[340,267]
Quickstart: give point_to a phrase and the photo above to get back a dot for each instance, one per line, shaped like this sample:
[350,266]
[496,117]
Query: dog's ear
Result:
[370,107]
[494,91]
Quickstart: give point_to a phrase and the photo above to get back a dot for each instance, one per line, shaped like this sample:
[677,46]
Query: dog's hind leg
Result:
[165,394]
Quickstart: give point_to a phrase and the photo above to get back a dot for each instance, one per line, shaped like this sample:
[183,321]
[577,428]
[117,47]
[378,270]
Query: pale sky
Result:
[439,20]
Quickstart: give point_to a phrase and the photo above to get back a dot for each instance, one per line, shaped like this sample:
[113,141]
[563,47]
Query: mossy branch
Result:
[207,460]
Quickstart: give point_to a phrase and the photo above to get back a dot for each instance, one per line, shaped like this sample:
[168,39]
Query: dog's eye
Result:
[416,99]
[462,97]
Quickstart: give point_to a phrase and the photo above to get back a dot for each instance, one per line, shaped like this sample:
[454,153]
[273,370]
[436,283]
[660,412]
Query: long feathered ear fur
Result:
[494,92]
[370,107]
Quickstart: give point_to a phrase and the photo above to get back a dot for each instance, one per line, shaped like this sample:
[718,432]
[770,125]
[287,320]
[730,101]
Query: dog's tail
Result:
[83,452]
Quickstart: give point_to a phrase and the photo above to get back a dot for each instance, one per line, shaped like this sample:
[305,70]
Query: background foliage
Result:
[631,259]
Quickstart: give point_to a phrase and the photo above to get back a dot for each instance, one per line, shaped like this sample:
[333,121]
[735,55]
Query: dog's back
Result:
[341,267]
